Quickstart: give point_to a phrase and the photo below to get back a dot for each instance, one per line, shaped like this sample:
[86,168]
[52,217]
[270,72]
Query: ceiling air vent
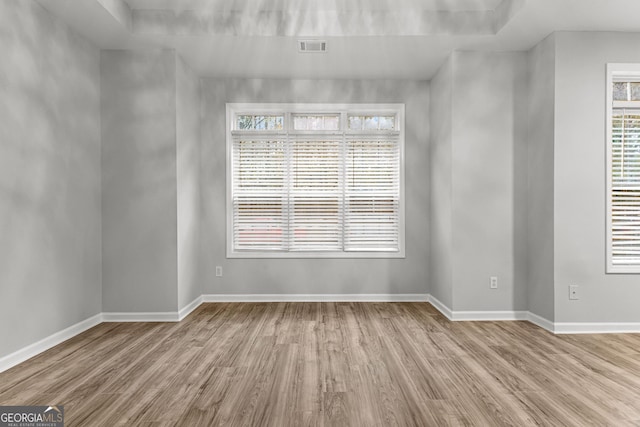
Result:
[312,46]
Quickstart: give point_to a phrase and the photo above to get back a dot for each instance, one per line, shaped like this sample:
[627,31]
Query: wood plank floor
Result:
[332,364]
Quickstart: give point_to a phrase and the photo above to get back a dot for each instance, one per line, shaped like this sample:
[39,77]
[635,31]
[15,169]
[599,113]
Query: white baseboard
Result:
[441,307]
[169,316]
[541,322]
[32,350]
[316,298]
[189,308]
[596,328]
[477,316]
[553,327]
[489,316]
[45,344]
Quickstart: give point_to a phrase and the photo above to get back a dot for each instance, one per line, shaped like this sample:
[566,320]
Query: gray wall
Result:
[314,276]
[580,179]
[188,181]
[479,129]
[137,222]
[540,179]
[486,129]
[139,194]
[441,180]
[49,176]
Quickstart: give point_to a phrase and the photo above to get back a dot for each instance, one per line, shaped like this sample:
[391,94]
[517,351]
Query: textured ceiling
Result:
[274,5]
[398,39]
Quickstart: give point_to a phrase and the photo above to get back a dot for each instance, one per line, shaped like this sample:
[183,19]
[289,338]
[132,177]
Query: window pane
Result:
[315,223]
[259,223]
[635,91]
[387,122]
[620,91]
[372,195]
[275,123]
[331,123]
[258,194]
[315,165]
[626,148]
[259,164]
[355,122]
[245,122]
[259,122]
[300,123]
[371,123]
[316,122]
[314,210]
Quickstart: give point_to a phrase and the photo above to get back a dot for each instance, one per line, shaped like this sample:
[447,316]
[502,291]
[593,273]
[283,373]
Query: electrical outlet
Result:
[218,271]
[494,282]
[573,292]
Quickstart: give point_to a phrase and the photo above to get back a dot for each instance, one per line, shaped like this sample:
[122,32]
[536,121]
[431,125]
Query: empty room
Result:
[319,212]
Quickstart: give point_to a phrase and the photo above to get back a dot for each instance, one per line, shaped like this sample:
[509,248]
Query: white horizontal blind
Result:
[315,220]
[310,183]
[625,187]
[259,193]
[372,191]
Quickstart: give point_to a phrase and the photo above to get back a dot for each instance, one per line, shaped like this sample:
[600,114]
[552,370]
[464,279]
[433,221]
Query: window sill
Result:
[317,255]
[623,269]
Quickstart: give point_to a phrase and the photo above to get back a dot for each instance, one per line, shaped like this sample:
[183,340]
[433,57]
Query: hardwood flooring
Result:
[332,364]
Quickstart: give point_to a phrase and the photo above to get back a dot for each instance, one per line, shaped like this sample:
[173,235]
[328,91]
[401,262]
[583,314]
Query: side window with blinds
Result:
[623,168]
[315,180]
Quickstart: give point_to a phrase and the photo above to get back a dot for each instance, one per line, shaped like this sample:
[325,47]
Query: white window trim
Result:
[234,109]
[615,71]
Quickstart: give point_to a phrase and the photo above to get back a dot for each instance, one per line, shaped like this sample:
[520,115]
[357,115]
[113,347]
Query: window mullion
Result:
[624,142]
[342,186]
[287,186]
